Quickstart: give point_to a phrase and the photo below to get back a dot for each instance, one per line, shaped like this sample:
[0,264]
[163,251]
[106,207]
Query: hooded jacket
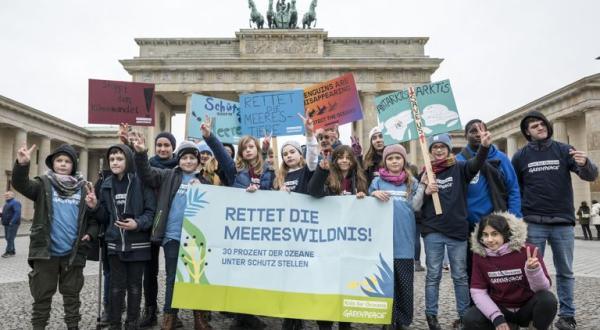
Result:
[140,203]
[543,171]
[39,190]
[501,278]
[11,212]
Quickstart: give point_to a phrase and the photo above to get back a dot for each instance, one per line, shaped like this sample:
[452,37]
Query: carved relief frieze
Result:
[296,47]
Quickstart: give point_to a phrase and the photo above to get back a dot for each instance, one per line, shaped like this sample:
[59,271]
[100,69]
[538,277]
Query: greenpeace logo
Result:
[363,314]
[365,304]
[445,183]
[544,163]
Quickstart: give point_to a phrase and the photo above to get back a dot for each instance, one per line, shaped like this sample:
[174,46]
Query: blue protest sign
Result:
[226,115]
[275,112]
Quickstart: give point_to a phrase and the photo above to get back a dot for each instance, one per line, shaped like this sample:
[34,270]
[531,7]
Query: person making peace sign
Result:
[510,283]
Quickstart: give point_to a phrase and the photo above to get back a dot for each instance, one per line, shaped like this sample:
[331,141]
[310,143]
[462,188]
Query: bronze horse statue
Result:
[255,17]
[310,16]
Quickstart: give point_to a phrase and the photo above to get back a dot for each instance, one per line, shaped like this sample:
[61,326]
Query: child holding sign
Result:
[395,182]
[510,282]
[449,230]
[342,175]
[173,185]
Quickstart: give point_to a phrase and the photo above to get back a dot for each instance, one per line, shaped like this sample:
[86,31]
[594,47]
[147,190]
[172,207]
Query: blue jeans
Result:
[171,251]
[562,242]
[10,233]
[435,246]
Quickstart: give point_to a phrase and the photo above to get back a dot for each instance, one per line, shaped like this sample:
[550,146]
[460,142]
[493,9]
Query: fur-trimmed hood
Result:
[518,231]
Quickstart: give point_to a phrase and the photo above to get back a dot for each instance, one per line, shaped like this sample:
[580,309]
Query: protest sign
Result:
[333,102]
[286,255]
[225,114]
[436,105]
[115,102]
[272,112]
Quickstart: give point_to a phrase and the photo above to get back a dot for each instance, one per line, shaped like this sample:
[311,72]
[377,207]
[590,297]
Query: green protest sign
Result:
[436,105]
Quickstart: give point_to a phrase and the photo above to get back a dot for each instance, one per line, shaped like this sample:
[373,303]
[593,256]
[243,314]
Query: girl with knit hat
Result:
[372,160]
[294,173]
[396,183]
[173,185]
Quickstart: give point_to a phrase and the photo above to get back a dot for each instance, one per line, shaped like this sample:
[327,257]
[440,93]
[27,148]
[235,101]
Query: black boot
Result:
[104,317]
[433,323]
[149,318]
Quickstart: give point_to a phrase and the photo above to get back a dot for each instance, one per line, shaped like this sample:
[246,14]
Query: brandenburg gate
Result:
[259,60]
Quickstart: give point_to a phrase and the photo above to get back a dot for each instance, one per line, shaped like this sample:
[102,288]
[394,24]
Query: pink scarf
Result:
[395,179]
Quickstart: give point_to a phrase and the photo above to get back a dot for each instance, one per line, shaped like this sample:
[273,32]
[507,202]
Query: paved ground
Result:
[15,300]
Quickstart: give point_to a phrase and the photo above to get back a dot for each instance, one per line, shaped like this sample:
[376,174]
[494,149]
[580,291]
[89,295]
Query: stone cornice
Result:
[183,41]
[42,116]
[246,64]
[560,95]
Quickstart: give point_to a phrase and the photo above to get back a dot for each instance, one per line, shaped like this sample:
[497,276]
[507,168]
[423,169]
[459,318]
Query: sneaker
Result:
[566,323]
[6,255]
[458,325]
[433,323]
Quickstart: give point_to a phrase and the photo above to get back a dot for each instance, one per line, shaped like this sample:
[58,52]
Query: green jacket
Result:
[39,190]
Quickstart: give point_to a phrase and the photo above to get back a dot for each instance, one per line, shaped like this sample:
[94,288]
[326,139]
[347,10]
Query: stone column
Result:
[414,150]
[44,152]
[83,162]
[560,131]
[592,131]
[20,140]
[511,145]
[369,115]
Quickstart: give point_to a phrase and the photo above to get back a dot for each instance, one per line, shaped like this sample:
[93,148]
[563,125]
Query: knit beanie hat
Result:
[292,143]
[395,149]
[65,149]
[186,147]
[373,131]
[203,147]
[441,138]
[167,136]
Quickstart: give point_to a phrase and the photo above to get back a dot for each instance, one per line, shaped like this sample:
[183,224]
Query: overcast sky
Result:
[498,54]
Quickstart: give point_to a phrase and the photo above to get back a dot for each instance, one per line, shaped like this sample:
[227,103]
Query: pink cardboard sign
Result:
[115,102]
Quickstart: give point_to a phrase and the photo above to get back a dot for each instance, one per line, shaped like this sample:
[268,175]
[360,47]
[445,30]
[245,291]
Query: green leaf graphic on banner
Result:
[193,253]
[383,284]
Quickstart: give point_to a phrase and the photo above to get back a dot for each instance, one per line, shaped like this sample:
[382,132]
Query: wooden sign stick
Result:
[424,150]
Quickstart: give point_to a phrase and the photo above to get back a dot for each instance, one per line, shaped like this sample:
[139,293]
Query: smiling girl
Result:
[510,283]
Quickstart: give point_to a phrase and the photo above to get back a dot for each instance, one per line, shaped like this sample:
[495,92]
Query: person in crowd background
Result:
[583,215]
[11,219]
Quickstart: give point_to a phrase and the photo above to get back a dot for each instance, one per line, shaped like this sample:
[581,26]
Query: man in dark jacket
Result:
[543,168]
[11,219]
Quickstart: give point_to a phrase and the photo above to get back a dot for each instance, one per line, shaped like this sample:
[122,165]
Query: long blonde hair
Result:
[209,172]
[241,163]
[283,171]
[335,178]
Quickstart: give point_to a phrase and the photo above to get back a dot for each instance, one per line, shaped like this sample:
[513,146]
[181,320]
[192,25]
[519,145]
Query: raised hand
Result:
[252,188]
[580,157]
[360,195]
[324,164]
[139,145]
[309,126]
[485,135]
[123,133]
[356,147]
[90,198]
[24,154]
[532,260]
[206,126]
[266,143]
